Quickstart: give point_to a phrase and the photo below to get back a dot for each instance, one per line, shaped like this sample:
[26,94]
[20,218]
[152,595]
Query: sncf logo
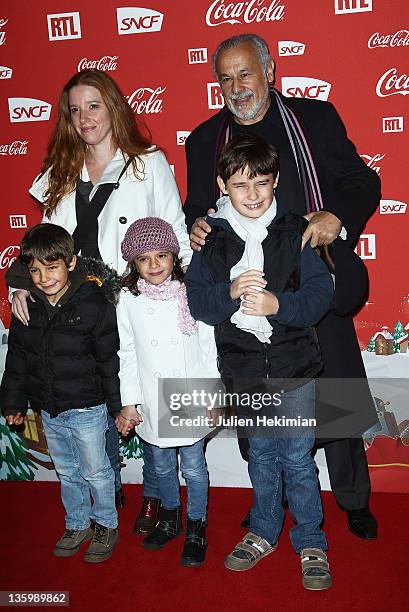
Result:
[28,109]
[133,20]
[181,137]
[305,87]
[392,207]
[5,73]
[64,26]
[366,247]
[352,6]
[214,96]
[290,47]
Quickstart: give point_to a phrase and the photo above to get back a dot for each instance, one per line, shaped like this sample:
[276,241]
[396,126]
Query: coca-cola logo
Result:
[146,100]
[18,147]
[3,34]
[8,255]
[399,39]
[372,161]
[107,63]
[254,11]
[392,83]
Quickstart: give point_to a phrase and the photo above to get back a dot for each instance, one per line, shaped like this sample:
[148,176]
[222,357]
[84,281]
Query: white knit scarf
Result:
[253,232]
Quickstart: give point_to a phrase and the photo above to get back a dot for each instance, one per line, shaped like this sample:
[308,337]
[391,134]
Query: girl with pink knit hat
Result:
[160,340]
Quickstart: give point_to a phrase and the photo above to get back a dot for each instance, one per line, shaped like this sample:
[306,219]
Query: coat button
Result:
[151,311]
[123,220]
[157,375]
[154,342]
[174,341]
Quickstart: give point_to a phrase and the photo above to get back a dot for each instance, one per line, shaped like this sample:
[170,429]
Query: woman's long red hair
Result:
[66,151]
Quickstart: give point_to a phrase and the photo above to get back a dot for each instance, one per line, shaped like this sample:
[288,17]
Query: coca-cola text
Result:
[253,11]
[106,63]
[146,100]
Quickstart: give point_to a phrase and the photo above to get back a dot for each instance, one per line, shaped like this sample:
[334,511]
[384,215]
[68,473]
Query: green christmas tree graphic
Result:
[371,345]
[131,447]
[14,463]
[398,332]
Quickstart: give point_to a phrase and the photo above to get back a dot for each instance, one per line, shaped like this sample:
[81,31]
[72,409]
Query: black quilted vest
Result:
[293,352]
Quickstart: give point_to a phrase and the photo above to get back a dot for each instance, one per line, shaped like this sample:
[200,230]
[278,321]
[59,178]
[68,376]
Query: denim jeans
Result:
[194,471]
[274,457]
[150,480]
[76,442]
[112,448]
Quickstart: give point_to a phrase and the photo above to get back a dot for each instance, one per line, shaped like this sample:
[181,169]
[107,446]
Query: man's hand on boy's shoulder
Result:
[199,231]
[323,228]
[19,306]
[259,303]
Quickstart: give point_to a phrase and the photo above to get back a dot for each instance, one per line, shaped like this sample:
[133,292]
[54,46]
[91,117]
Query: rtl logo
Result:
[352,6]
[305,87]
[366,247]
[372,160]
[181,137]
[392,124]
[133,20]
[17,221]
[5,73]
[64,26]
[197,56]
[392,207]
[214,96]
[28,109]
[290,47]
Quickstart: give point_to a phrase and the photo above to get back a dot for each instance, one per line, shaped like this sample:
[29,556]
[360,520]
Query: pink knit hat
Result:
[148,234]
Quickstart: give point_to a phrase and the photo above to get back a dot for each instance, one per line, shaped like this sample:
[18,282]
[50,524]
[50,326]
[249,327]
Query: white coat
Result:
[152,347]
[153,193]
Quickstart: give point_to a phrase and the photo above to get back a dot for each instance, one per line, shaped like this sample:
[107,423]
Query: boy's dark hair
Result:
[47,242]
[247,152]
[132,276]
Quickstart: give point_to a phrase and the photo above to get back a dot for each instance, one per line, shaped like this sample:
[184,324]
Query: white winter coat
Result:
[152,347]
[152,194]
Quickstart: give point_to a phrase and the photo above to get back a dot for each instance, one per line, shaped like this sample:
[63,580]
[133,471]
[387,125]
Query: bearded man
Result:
[322,178]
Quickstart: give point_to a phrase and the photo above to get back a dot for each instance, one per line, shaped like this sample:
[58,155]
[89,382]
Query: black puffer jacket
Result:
[67,356]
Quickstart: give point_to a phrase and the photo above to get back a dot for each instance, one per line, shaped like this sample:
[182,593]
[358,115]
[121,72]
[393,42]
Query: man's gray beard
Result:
[251,113]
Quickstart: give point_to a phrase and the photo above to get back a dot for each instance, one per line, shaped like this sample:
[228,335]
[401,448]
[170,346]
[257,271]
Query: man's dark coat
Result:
[351,191]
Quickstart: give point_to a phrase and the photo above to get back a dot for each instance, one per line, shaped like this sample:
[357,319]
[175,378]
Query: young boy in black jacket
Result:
[65,364]
[264,293]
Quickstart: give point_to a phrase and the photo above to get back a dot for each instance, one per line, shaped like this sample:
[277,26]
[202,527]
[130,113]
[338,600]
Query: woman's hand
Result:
[19,306]
[199,231]
[15,419]
[128,419]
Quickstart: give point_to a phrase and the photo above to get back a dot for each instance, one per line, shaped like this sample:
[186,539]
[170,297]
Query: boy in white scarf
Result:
[264,294]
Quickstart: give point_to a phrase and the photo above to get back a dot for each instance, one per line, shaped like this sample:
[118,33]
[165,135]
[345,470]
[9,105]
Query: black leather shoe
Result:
[362,524]
[120,498]
[194,549]
[168,528]
[245,523]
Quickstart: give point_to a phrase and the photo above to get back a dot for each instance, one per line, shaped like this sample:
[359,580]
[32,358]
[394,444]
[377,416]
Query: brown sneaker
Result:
[148,516]
[102,545]
[71,541]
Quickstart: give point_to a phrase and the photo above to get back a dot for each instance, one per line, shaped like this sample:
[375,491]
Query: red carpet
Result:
[369,576]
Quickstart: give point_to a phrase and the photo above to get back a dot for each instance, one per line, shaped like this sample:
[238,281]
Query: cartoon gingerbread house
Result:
[383,342]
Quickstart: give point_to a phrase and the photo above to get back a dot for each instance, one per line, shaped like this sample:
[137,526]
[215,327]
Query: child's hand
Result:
[251,278]
[128,419]
[259,303]
[15,419]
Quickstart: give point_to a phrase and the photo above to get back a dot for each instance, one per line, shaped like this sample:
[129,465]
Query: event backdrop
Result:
[353,53]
